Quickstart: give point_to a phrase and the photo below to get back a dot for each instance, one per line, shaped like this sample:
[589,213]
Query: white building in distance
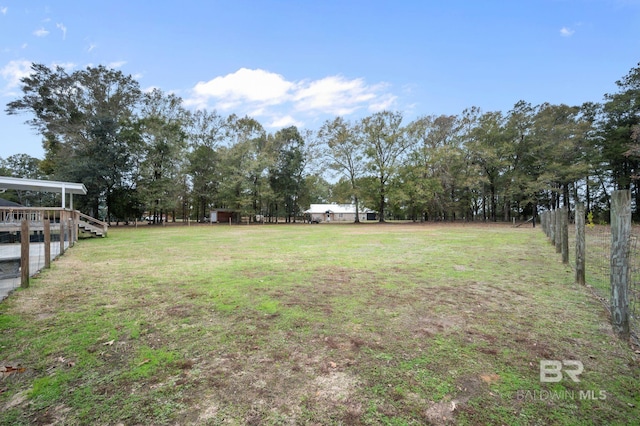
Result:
[338,213]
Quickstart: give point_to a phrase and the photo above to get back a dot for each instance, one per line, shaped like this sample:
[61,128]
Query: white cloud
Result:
[285,121]
[246,85]
[566,32]
[91,47]
[116,64]
[384,102]
[261,93]
[334,95]
[62,28]
[4,10]
[41,32]
[13,72]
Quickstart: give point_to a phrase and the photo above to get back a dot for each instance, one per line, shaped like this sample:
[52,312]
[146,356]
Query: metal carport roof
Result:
[44,186]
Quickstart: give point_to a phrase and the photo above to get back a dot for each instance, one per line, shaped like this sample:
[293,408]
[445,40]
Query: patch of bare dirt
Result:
[275,380]
[540,349]
[180,311]
[445,412]
[208,412]
[335,387]
[336,282]
[16,400]
[441,413]
[424,326]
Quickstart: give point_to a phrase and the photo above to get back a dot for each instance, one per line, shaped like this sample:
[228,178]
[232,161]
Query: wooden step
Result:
[94,230]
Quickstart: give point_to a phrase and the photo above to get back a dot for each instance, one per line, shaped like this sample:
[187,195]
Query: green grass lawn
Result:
[300,324]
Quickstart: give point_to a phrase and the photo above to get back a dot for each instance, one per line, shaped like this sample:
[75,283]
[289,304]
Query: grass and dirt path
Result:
[324,324]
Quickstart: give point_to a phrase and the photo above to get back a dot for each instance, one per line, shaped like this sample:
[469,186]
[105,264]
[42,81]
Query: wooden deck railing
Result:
[44,220]
[12,217]
[15,215]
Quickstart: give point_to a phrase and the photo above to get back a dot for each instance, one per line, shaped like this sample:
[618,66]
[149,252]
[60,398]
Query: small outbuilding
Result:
[224,216]
[338,213]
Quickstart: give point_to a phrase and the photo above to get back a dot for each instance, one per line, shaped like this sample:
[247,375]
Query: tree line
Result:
[143,152]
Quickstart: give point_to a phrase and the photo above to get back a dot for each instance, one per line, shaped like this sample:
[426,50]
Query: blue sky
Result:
[301,62]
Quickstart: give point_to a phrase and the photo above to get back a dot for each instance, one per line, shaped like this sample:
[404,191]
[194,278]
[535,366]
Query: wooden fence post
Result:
[564,220]
[47,243]
[552,227]
[558,240]
[535,214]
[70,226]
[580,244]
[72,231]
[24,254]
[62,232]
[545,224]
[620,273]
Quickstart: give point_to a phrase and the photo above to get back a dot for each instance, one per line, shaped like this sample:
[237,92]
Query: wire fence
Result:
[10,251]
[51,231]
[598,269]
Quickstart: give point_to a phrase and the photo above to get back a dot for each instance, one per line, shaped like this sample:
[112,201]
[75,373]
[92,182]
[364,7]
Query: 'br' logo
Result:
[551,370]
